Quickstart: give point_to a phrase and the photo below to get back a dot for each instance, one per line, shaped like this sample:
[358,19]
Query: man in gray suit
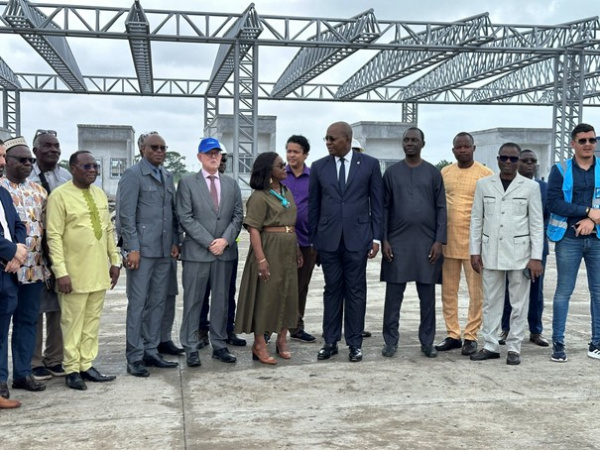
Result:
[506,240]
[148,227]
[209,206]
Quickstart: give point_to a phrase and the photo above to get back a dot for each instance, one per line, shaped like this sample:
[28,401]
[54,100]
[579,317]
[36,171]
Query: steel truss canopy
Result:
[468,61]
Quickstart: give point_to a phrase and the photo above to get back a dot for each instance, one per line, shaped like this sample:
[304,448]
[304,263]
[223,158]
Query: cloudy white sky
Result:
[180,120]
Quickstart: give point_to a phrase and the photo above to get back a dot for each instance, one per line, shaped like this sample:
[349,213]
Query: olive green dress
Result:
[265,307]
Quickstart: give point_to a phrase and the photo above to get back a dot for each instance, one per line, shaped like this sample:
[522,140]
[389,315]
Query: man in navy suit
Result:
[345,217]
[12,255]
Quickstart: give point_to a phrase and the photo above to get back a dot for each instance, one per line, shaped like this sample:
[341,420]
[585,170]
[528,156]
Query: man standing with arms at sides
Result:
[506,242]
[297,148]
[414,230]
[459,181]
[30,202]
[46,172]
[527,164]
[82,247]
[344,218]
[13,254]
[574,206]
[209,206]
[149,229]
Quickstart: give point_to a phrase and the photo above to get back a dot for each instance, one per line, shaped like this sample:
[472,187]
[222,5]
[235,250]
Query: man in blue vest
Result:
[574,204]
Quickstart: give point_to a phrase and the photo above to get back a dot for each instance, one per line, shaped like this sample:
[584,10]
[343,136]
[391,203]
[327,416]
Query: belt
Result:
[285,229]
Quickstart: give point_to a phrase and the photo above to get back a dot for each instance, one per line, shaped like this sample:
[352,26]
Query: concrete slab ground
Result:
[404,402]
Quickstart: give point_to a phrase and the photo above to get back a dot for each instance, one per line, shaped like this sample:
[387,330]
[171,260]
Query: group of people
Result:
[60,255]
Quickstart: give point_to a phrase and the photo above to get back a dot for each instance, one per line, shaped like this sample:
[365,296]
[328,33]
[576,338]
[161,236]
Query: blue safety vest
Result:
[558,224]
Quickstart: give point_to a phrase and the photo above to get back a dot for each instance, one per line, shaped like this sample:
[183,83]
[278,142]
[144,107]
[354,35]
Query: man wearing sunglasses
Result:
[574,204]
[30,201]
[85,262]
[47,362]
[506,242]
[148,227]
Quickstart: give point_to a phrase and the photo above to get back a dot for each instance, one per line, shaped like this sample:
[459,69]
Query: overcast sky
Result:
[180,120]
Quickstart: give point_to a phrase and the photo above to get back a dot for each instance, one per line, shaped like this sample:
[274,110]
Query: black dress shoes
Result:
[93,375]
[29,383]
[538,339]
[429,351]
[223,355]
[503,336]
[355,354]
[193,360]
[137,369]
[74,381]
[366,334]
[169,348]
[513,359]
[469,347]
[4,392]
[484,354]
[327,351]
[448,344]
[232,339]
[158,361]
[203,340]
[389,350]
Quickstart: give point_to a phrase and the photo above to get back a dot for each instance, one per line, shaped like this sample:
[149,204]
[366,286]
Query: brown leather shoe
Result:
[538,339]
[8,404]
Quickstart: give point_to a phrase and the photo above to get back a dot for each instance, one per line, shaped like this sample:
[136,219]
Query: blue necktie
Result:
[342,176]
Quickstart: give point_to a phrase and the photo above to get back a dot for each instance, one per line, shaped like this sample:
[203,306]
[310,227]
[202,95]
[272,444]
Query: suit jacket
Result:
[202,224]
[507,228]
[146,215]
[17,229]
[356,215]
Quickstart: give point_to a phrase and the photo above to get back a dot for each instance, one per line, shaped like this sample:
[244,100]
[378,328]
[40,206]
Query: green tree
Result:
[174,163]
[64,164]
[443,163]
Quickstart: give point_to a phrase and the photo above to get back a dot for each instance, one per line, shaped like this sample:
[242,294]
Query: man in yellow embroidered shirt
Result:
[82,246]
[459,180]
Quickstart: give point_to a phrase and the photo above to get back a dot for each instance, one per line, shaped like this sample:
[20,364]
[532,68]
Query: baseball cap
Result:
[208,144]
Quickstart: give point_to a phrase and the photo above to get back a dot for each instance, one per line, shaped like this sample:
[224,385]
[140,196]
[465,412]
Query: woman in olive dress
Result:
[268,299]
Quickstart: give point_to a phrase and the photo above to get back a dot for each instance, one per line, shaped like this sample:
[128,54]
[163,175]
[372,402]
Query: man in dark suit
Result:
[345,217]
[148,226]
[13,253]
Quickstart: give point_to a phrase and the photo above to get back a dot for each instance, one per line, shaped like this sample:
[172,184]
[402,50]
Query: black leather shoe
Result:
[223,355]
[29,383]
[389,350]
[327,351]
[448,344]
[169,348]
[74,381]
[137,369]
[513,359]
[4,392]
[303,336]
[92,374]
[232,339]
[469,347]
[484,354]
[355,354]
[158,361]
[193,360]
[202,339]
[538,339]
[502,337]
[366,334]
[429,351]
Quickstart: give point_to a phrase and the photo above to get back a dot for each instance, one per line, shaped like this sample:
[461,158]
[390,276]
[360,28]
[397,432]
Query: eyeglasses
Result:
[23,160]
[90,166]
[330,139]
[529,161]
[583,141]
[155,147]
[512,159]
[40,132]
[213,154]
[281,165]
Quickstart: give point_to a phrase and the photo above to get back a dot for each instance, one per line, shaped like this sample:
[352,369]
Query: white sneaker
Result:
[594,351]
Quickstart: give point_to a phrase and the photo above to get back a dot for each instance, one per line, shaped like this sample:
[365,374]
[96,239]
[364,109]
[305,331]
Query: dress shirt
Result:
[206,176]
[347,162]
[298,186]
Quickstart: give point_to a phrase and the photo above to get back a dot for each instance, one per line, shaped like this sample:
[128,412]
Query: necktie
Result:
[213,192]
[342,176]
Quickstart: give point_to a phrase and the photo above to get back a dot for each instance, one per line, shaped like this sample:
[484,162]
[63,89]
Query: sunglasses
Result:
[23,160]
[529,161]
[281,165]
[512,159]
[90,166]
[155,147]
[40,132]
[584,141]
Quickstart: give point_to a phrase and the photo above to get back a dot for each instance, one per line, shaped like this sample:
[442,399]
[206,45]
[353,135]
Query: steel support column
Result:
[11,112]
[410,113]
